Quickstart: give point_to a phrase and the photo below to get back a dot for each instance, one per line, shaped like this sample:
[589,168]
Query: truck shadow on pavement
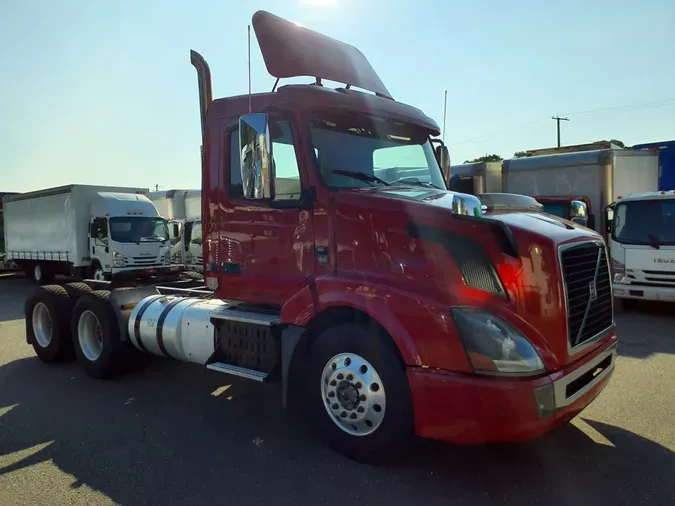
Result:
[647,329]
[176,433]
[13,288]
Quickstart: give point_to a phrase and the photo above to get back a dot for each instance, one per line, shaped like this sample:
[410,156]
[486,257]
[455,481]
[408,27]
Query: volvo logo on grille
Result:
[592,289]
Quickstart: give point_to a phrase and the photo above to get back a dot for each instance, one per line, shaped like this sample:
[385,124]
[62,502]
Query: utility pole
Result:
[558,119]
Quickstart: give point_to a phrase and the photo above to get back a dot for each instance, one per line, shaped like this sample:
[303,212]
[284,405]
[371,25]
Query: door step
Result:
[235,370]
[236,314]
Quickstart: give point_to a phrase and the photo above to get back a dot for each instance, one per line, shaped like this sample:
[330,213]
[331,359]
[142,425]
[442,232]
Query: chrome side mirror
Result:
[578,209]
[256,163]
[443,156]
[463,203]
[579,213]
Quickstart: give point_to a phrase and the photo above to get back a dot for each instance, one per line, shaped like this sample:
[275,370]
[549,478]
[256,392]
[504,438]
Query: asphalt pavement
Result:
[179,434]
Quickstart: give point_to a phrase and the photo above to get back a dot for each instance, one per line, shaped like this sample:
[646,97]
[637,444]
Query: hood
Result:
[408,226]
[557,229]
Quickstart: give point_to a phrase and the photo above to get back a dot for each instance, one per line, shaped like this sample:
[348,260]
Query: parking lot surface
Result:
[179,434]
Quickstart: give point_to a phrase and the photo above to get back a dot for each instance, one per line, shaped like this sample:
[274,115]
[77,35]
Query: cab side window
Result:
[287,178]
[99,229]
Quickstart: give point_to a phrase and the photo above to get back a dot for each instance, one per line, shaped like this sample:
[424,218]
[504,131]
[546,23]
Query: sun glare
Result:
[318,3]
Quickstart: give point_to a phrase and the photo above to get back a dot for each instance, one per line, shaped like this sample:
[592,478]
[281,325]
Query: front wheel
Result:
[358,394]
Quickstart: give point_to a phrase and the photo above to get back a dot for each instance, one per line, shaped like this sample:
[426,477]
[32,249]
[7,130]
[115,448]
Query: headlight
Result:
[493,345]
[619,273]
[117,259]
[620,277]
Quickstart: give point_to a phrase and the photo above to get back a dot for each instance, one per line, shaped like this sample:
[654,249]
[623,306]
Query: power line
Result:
[668,101]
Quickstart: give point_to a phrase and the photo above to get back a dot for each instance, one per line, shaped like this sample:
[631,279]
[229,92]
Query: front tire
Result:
[48,323]
[358,394]
[96,335]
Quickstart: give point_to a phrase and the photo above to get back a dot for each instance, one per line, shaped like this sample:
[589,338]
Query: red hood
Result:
[545,225]
[522,247]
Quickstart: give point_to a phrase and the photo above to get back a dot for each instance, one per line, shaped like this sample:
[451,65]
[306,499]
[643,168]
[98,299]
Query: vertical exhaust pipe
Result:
[205,94]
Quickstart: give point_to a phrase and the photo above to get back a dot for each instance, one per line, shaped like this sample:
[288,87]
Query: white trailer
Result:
[642,247]
[5,264]
[475,178]
[102,232]
[600,175]
[184,209]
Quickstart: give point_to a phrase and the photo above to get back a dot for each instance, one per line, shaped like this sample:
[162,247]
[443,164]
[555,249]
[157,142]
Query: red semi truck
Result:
[340,267]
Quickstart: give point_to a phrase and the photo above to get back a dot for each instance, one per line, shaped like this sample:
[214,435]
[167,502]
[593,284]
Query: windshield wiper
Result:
[420,183]
[653,241]
[361,176]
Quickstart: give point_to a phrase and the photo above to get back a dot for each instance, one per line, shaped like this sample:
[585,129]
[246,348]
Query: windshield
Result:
[357,151]
[645,222]
[557,209]
[138,229]
[196,234]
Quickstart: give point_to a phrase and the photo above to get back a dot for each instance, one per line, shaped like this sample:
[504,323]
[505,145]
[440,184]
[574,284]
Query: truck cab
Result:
[642,247]
[126,234]
[184,208]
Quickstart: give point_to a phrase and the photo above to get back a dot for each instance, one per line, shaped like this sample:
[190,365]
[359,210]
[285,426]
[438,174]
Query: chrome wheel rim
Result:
[42,325]
[98,275]
[90,336]
[353,394]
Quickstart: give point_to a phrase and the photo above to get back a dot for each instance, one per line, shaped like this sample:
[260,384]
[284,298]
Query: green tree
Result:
[520,154]
[615,141]
[485,158]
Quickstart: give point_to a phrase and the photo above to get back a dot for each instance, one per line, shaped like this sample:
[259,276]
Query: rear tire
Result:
[48,313]
[193,275]
[96,336]
[358,396]
[77,290]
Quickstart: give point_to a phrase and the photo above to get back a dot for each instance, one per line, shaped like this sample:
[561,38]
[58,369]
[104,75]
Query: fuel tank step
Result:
[245,315]
[235,370]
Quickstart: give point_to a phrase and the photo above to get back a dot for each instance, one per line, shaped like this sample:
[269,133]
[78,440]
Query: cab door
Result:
[266,244]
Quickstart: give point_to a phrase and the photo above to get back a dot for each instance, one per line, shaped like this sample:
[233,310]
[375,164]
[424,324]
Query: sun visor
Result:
[290,50]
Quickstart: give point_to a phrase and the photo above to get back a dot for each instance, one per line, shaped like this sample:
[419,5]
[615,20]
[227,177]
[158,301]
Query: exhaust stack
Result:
[204,82]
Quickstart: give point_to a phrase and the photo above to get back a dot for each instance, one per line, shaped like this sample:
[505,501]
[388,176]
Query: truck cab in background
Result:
[642,247]
[485,178]
[568,182]
[184,210]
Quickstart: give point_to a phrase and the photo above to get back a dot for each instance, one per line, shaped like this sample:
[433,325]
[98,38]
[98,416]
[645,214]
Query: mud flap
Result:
[290,337]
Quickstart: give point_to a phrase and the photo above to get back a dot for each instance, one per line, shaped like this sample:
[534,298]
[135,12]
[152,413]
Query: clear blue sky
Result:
[102,92]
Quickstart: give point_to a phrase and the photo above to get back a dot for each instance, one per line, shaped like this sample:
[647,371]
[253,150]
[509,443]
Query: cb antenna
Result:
[445,109]
[249,69]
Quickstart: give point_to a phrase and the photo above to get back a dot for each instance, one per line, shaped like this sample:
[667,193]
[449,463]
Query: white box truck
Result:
[184,210]
[642,247]
[593,177]
[99,232]
[475,178]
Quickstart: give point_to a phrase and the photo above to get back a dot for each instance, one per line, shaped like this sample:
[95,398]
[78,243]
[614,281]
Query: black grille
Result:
[579,266]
